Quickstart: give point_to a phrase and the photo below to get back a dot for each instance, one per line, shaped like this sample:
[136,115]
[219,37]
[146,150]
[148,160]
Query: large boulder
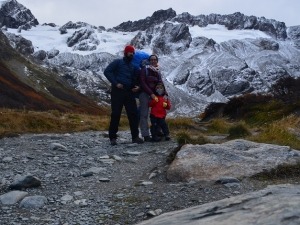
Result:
[12,197]
[84,39]
[273,205]
[237,158]
[40,54]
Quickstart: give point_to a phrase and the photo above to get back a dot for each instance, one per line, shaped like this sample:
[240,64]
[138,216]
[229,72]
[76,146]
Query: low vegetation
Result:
[280,172]
[239,130]
[22,121]
[282,132]
[186,138]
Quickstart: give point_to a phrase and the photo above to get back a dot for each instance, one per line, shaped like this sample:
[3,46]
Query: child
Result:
[159,107]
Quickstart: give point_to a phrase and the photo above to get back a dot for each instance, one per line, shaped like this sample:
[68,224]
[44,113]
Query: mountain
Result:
[15,15]
[204,58]
[25,85]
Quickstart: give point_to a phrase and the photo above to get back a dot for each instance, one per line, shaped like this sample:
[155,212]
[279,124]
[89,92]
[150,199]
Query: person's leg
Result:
[116,110]
[154,128]
[144,114]
[132,115]
[164,127]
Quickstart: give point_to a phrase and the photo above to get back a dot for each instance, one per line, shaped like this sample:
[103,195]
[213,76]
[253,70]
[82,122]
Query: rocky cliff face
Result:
[236,21]
[15,15]
[158,17]
[294,35]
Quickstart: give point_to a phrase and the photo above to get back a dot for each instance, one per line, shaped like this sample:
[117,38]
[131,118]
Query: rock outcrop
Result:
[21,44]
[237,158]
[237,21]
[157,17]
[273,205]
[15,15]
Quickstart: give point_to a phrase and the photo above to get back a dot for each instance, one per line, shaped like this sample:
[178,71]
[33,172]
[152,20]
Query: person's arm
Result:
[167,104]
[110,72]
[152,103]
[143,80]
[136,81]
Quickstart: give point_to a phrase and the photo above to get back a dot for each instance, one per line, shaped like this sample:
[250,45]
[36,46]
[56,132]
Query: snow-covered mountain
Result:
[205,58]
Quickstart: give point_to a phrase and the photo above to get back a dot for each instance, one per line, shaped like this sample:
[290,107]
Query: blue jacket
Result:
[121,71]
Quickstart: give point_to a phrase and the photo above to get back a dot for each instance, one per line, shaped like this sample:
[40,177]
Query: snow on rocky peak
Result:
[203,58]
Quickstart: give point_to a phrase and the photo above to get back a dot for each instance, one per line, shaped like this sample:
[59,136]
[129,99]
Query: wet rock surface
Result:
[85,180]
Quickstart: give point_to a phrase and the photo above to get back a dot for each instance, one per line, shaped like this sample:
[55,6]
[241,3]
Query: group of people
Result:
[128,82]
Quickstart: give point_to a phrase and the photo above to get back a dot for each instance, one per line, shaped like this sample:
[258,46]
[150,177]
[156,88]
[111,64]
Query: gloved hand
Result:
[165,104]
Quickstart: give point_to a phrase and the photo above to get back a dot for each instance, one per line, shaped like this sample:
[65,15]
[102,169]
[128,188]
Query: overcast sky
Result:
[110,13]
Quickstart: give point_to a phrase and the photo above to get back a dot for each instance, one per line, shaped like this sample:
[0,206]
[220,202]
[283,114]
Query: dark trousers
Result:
[120,98]
[157,124]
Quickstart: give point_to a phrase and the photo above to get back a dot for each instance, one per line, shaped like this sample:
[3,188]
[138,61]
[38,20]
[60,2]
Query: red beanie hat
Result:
[128,48]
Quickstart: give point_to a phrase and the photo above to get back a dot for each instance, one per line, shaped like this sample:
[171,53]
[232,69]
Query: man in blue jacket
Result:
[123,78]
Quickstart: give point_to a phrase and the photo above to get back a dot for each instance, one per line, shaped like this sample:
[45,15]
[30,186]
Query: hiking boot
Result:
[137,140]
[167,138]
[160,133]
[113,141]
[147,139]
[156,139]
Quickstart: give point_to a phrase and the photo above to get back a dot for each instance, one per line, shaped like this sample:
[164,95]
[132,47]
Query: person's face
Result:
[129,55]
[160,90]
[153,61]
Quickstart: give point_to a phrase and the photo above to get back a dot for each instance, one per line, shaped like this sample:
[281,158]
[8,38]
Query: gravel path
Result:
[86,181]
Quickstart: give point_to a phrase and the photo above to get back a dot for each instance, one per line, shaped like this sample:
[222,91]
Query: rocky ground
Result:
[86,181]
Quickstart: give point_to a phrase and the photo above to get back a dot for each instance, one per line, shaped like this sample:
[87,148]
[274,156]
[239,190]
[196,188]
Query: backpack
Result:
[140,59]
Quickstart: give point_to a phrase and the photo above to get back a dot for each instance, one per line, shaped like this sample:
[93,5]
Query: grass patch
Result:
[281,172]
[180,123]
[14,121]
[185,137]
[282,132]
[265,113]
[218,126]
[238,130]
[277,135]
